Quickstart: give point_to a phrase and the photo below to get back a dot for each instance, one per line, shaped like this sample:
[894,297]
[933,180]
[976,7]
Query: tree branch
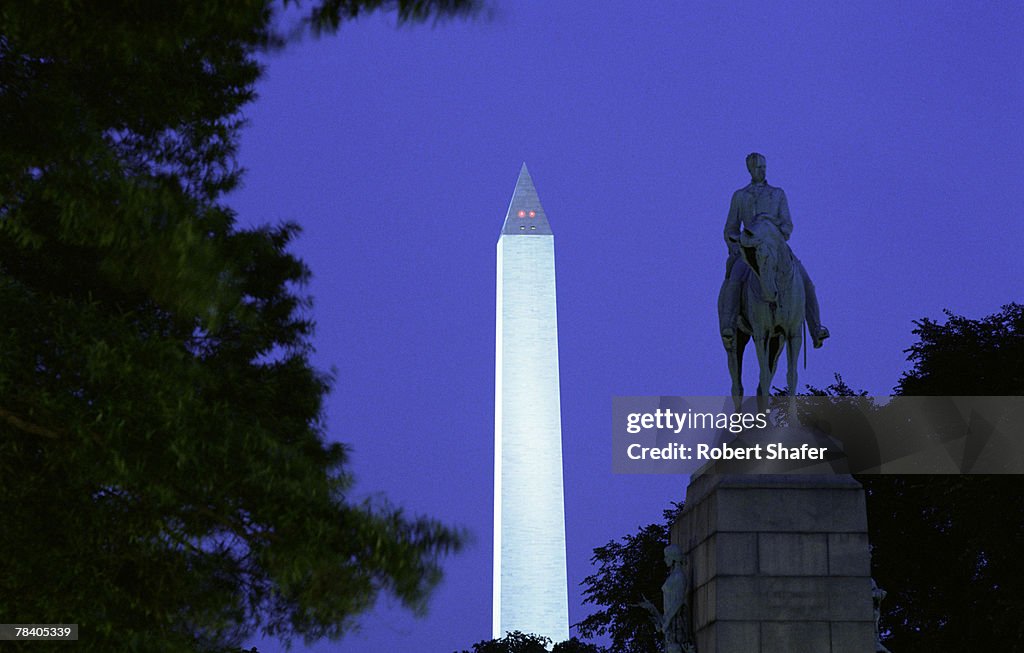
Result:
[26,426]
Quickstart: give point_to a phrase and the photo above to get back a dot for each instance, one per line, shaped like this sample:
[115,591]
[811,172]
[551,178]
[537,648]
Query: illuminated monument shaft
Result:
[530,591]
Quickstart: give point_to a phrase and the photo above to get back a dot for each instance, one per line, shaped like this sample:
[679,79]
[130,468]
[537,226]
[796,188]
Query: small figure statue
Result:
[759,201]
[877,594]
[674,624]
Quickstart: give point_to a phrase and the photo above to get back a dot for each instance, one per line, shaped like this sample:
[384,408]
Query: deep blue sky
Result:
[895,129]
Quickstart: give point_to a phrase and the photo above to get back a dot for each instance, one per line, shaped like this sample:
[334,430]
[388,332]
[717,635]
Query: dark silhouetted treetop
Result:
[519,642]
[629,570]
[966,357]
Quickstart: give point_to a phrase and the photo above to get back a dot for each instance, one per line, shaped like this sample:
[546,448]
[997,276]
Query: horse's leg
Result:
[742,338]
[764,387]
[793,345]
[735,356]
[774,351]
[737,389]
[770,363]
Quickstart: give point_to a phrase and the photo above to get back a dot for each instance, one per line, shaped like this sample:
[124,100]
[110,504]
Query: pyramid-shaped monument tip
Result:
[525,216]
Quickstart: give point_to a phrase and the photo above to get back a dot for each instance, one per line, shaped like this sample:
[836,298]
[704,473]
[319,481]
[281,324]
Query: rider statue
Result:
[758,201]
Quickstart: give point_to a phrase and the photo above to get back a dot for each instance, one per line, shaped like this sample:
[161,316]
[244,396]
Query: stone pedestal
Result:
[779,563]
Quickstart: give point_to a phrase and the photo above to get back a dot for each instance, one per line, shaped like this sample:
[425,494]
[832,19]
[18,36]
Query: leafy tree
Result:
[965,357]
[165,480]
[518,642]
[960,586]
[838,388]
[513,642]
[574,645]
[629,570]
[947,551]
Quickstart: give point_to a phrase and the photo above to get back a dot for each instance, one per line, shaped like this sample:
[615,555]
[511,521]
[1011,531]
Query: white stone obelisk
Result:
[530,587]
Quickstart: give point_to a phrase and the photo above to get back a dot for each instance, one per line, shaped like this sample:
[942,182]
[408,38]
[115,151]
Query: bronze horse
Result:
[771,308]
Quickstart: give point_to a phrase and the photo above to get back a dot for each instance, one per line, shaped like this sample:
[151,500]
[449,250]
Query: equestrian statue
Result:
[767,294]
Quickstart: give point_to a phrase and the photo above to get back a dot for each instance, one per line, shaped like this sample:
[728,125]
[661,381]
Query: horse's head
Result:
[762,245]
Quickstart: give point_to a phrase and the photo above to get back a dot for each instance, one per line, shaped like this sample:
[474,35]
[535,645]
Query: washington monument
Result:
[530,590]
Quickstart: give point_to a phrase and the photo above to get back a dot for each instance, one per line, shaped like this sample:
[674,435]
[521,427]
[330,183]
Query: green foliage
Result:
[518,642]
[959,585]
[574,645]
[967,357]
[513,642]
[947,551]
[165,479]
[329,15]
[628,570]
[838,388]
